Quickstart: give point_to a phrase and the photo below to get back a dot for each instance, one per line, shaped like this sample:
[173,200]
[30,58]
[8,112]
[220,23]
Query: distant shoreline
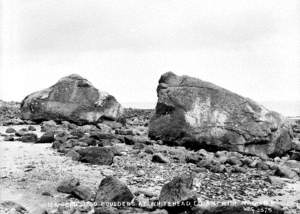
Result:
[289,109]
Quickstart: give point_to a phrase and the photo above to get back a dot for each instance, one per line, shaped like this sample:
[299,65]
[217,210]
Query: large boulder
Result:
[72,98]
[199,114]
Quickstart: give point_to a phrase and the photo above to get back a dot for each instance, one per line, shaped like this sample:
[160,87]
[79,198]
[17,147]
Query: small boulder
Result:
[112,190]
[29,137]
[73,155]
[96,155]
[10,130]
[31,128]
[159,158]
[179,191]
[48,126]
[47,137]
[129,140]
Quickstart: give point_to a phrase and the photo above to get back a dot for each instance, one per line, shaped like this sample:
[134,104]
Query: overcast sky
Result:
[251,47]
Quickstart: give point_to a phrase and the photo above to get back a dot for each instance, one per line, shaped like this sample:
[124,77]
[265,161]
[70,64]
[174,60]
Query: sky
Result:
[251,47]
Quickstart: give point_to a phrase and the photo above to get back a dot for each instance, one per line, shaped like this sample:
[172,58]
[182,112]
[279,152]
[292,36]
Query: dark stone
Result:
[179,190]
[47,137]
[159,158]
[284,171]
[31,128]
[56,144]
[112,190]
[124,132]
[129,140]
[29,137]
[10,130]
[96,155]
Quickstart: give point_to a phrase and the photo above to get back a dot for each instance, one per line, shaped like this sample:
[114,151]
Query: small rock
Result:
[73,155]
[67,186]
[262,165]
[159,158]
[29,137]
[218,168]
[10,130]
[193,158]
[48,126]
[31,128]
[112,124]
[47,137]
[77,133]
[139,146]
[129,140]
[104,128]
[124,132]
[148,150]
[238,169]
[46,193]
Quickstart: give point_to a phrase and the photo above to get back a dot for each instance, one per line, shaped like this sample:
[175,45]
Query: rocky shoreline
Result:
[72,149]
[146,168]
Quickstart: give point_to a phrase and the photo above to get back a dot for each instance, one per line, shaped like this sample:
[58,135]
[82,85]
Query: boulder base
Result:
[72,98]
[198,114]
